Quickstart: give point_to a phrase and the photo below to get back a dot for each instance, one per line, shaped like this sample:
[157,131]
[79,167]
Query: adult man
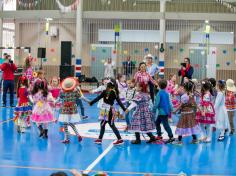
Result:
[186,70]
[8,69]
[128,66]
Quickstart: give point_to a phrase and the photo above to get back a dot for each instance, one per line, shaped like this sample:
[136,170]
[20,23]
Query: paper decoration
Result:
[196,65]
[156,57]
[114,52]
[136,51]
[44,59]
[117,28]
[26,50]
[146,50]
[54,59]
[171,47]
[104,50]
[52,50]
[125,52]
[234,49]
[175,61]
[203,52]
[228,63]
[217,65]
[224,51]
[93,48]
[93,59]
[181,50]
[213,52]
[103,61]
[156,47]
[207,66]
[35,60]
[192,51]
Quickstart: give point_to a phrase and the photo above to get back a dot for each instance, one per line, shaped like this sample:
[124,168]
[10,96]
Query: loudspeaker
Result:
[66,52]
[41,52]
[66,71]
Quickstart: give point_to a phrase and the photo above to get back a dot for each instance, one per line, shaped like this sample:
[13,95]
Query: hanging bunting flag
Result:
[66,9]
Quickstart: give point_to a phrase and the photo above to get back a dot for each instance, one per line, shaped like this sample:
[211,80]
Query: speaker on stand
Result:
[41,55]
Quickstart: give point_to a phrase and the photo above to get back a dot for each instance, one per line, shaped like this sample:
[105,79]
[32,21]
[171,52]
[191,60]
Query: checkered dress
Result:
[142,120]
[69,102]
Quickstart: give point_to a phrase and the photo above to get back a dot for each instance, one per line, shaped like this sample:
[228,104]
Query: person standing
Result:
[152,69]
[128,67]
[186,70]
[8,68]
[1,62]
[109,69]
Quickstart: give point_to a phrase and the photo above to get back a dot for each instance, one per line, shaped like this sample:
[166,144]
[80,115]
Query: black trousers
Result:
[111,124]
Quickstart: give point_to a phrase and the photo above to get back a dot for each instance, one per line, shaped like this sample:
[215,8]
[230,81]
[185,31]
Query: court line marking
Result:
[8,120]
[94,171]
[98,159]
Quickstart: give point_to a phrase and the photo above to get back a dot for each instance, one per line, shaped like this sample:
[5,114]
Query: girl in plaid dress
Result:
[69,115]
[142,120]
[206,112]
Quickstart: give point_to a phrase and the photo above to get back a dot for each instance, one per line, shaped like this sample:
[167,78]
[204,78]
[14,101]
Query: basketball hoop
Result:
[66,9]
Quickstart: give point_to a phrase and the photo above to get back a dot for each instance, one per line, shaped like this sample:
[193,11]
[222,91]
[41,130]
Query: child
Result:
[163,105]
[108,113]
[187,124]
[80,104]
[230,103]
[206,112]
[69,113]
[222,120]
[23,110]
[214,90]
[142,120]
[55,89]
[122,87]
[28,69]
[42,112]
[172,90]
[130,94]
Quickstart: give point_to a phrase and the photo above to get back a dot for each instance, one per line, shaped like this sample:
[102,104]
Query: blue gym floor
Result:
[27,155]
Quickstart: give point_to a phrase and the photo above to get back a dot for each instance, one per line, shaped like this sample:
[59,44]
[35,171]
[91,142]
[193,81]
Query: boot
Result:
[41,130]
[45,134]
[137,140]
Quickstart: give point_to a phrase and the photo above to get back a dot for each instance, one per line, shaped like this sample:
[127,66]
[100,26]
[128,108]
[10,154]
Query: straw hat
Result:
[149,56]
[69,84]
[230,85]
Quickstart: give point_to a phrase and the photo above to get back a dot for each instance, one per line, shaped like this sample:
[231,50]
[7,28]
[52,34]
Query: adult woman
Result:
[109,69]
[186,70]
[142,76]
[152,69]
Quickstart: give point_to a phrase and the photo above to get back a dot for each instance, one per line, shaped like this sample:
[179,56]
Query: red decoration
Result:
[114,51]
[93,59]
[196,65]
[213,52]
[52,50]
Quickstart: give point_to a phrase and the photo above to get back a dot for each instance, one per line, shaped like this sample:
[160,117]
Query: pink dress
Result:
[171,90]
[55,91]
[207,106]
[42,112]
[29,74]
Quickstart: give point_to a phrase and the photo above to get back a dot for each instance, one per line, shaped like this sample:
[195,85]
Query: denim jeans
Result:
[164,120]
[8,84]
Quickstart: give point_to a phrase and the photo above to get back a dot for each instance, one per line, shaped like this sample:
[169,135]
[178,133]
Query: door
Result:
[198,60]
[99,55]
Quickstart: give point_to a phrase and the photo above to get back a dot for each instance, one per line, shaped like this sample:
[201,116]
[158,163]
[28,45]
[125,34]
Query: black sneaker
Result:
[170,140]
